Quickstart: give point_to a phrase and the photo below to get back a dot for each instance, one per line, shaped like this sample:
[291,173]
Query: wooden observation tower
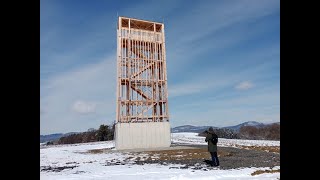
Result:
[142,95]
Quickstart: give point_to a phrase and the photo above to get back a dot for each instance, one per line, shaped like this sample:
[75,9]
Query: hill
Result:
[53,137]
[198,129]
[248,123]
[189,128]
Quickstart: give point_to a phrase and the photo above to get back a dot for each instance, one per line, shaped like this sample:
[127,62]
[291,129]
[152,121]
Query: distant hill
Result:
[184,128]
[199,129]
[50,137]
[53,137]
[189,128]
[248,123]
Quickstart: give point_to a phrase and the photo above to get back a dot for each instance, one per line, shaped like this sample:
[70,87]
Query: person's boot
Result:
[215,162]
[212,164]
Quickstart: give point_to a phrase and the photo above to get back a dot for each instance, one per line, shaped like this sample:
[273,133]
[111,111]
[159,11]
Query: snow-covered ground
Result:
[97,166]
[192,138]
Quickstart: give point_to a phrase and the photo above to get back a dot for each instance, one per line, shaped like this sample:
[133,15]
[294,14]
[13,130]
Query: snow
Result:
[97,166]
[192,138]
[252,123]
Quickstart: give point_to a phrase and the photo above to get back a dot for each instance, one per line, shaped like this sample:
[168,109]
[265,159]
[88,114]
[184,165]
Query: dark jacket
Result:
[211,146]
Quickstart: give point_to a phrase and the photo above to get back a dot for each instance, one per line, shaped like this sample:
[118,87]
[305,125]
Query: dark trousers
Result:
[215,160]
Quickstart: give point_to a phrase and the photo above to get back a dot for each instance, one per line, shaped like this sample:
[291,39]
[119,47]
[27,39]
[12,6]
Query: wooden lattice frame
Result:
[142,94]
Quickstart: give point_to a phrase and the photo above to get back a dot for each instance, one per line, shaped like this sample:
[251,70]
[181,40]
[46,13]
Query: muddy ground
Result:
[229,157]
[193,156]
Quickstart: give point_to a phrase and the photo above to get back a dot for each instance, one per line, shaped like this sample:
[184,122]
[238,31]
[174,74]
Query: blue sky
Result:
[223,61]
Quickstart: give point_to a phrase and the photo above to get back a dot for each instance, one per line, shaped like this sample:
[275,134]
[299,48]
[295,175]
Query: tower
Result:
[142,116]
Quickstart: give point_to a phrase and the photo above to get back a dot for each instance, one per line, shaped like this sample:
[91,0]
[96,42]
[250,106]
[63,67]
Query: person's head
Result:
[210,130]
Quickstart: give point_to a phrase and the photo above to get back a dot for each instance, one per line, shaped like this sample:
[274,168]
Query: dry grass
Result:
[186,154]
[275,149]
[96,151]
[264,171]
[176,154]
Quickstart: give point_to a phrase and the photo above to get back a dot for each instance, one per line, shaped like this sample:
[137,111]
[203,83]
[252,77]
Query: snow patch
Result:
[77,164]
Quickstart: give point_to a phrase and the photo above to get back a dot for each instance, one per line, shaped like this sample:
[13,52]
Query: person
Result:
[212,148]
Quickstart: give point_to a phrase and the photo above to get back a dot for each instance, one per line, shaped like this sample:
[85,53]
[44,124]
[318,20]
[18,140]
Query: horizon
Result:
[223,61]
[170,127]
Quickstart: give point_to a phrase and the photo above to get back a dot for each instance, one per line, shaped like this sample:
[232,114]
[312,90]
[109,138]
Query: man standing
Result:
[212,140]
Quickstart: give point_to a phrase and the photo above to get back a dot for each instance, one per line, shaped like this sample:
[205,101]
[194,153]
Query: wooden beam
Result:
[141,72]
[140,92]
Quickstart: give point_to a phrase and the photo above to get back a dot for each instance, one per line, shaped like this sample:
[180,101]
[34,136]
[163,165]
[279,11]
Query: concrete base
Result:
[142,135]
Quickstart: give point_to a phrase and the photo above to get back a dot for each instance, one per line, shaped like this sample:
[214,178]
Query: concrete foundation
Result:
[142,135]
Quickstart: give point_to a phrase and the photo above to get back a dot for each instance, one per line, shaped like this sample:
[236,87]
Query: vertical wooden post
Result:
[142,93]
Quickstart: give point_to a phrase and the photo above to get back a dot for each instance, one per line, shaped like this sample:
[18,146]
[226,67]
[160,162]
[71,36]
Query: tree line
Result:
[104,133]
[267,132]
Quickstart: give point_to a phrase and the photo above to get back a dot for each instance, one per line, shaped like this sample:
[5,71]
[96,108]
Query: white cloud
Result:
[83,107]
[88,88]
[62,88]
[261,106]
[244,85]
